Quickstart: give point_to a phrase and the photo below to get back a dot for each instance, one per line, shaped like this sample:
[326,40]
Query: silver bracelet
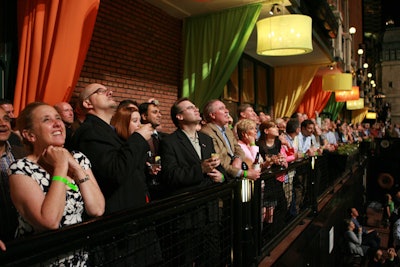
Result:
[86,178]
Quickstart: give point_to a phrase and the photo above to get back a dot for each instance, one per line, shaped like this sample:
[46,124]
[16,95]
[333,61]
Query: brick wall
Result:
[136,50]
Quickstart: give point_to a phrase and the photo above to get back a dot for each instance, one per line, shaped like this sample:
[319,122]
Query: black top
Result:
[117,165]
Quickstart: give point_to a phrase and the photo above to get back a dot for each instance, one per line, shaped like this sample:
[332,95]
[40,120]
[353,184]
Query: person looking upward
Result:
[117,164]
[231,154]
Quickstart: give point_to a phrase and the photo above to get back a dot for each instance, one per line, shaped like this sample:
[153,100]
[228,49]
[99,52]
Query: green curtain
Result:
[333,107]
[213,46]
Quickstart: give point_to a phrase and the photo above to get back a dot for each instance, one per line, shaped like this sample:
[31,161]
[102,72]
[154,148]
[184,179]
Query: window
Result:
[248,81]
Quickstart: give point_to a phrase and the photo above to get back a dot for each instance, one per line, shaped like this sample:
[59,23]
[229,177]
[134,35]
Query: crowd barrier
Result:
[234,224]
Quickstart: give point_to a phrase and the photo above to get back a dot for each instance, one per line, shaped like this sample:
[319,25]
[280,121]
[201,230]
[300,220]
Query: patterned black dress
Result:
[73,210]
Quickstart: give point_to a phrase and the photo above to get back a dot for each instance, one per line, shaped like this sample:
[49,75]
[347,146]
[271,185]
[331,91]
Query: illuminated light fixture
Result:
[360,51]
[365,66]
[337,82]
[284,35]
[371,115]
[352,30]
[355,104]
[343,96]
[369,75]
[379,95]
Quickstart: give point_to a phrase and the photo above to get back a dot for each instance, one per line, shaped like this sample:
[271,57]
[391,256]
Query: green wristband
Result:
[244,174]
[223,178]
[65,181]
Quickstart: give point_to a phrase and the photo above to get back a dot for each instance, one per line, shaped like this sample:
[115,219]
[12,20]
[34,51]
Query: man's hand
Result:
[146,130]
[210,164]
[2,246]
[216,176]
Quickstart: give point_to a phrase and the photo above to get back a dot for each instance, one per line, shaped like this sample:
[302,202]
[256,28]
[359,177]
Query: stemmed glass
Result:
[281,161]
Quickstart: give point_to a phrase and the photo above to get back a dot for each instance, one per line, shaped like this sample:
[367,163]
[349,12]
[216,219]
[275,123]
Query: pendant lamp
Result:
[343,96]
[371,115]
[337,82]
[284,35]
[355,104]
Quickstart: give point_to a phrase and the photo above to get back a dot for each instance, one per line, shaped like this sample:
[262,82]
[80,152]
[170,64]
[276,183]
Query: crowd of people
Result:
[363,244]
[107,156]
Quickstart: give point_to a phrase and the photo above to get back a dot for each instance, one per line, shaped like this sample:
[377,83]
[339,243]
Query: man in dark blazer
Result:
[189,163]
[8,154]
[150,113]
[117,165]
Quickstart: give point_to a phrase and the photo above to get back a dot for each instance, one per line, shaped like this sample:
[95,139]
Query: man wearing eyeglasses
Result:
[189,163]
[117,165]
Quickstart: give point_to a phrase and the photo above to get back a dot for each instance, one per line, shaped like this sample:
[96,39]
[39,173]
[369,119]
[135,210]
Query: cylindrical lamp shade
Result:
[284,35]
[337,82]
[355,104]
[343,96]
[371,115]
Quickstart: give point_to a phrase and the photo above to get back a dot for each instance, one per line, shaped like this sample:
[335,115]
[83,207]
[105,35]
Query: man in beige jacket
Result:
[231,155]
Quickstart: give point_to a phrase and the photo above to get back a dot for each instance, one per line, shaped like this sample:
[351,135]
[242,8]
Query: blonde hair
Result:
[242,126]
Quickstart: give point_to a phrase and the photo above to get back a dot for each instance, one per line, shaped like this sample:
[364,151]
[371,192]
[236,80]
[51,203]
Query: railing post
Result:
[247,231]
[313,185]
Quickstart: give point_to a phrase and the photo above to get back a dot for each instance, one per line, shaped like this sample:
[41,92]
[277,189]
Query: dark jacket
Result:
[117,165]
[181,166]
[8,213]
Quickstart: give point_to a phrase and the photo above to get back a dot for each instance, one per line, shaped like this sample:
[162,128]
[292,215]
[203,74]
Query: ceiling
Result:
[186,8]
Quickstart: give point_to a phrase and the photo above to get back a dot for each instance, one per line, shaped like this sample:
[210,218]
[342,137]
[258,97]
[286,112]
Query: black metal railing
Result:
[212,227]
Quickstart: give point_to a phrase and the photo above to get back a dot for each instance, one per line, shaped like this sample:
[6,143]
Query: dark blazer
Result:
[181,166]
[8,213]
[156,188]
[117,165]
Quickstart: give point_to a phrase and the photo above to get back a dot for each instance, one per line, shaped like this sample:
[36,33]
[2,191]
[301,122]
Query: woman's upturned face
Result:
[134,123]
[252,131]
[272,131]
[48,127]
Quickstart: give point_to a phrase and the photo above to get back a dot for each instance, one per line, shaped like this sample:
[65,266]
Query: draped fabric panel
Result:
[358,115]
[333,107]
[54,36]
[290,86]
[314,99]
[213,46]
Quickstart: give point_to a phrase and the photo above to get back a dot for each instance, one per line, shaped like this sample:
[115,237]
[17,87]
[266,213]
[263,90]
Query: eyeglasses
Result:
[188,108]
[100,91]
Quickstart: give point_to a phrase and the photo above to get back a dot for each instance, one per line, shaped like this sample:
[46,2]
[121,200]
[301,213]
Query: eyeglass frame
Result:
[192,107]
[100,91]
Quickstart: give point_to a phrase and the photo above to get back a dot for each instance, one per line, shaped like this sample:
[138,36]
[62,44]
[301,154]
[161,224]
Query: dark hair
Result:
[305,123]
[5,101]
[25,121]
[121,120]
[127,102]
[292,125]
[144,107]
[265,125]
[175,110]
[243,108]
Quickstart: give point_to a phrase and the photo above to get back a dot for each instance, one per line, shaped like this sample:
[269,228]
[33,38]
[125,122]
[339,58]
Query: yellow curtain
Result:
[54,36]
[358,115]
[290,85]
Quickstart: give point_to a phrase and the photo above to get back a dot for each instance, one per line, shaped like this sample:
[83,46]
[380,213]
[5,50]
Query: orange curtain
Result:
[315,98]
[54,36]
